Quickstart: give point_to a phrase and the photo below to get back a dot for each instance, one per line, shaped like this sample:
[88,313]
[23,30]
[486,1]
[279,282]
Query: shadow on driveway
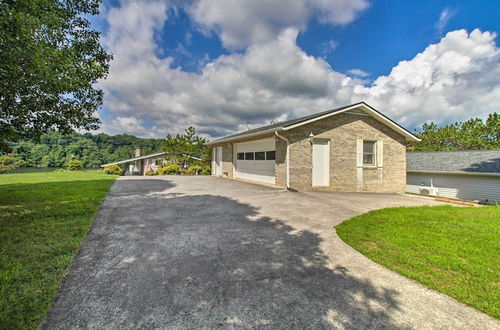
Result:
[189,261]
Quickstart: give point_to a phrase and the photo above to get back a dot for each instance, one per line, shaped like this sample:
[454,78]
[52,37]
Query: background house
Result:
[352,148]
[468,175]
[140,164]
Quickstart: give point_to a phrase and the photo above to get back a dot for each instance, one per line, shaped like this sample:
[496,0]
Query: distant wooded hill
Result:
[54,149]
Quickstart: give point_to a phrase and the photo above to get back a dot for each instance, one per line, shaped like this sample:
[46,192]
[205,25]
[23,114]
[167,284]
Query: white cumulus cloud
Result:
[455,79]
[274,79]
[241,23]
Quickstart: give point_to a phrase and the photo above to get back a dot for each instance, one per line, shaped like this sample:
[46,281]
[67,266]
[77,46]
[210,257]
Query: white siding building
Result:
[467,175]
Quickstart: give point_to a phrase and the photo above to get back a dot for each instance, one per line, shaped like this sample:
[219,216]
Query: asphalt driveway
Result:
[204,252]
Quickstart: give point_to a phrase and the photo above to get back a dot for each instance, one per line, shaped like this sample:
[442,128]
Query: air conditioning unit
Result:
[429,191]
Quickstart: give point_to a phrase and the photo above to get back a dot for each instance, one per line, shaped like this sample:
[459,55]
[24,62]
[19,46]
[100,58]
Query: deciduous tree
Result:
[473,134]
[50,60]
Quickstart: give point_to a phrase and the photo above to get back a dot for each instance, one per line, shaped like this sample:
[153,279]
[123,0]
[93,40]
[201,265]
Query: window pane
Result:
[241,156]
[368,159]
[260,155]
[248,155]
[368,147]
[271,155]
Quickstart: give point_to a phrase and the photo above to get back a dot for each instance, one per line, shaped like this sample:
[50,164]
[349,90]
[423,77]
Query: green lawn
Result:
[454,250]
[43,218]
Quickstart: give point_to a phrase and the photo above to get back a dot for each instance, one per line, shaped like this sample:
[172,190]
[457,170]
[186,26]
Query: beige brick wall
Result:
[227,159]
[281,161]
[343,130]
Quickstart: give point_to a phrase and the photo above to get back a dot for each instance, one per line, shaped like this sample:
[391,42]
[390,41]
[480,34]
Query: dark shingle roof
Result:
[286,123]
[290,123]
[475,161]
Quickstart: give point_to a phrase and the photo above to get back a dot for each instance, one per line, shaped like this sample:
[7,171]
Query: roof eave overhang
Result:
[245,136]
[371,111]
[455,173]
[374,113]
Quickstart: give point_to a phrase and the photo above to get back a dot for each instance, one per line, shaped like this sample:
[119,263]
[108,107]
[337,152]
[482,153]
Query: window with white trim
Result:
[369,153]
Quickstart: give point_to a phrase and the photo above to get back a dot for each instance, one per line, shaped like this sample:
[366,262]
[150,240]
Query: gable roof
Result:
[293,123]
[469,161]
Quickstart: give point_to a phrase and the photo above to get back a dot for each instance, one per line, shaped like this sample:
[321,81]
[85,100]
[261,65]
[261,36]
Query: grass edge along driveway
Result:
[44,217]
[453,250]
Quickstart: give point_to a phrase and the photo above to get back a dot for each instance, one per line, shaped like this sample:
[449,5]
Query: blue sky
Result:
[390,30]
[220,66]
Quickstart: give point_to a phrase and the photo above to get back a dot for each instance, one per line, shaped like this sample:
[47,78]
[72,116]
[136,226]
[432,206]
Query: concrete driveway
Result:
[204,252]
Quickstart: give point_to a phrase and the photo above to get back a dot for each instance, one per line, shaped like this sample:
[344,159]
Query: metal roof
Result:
[468,161]
[306,119]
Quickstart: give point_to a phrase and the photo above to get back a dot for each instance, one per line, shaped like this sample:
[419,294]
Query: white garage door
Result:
[255,160]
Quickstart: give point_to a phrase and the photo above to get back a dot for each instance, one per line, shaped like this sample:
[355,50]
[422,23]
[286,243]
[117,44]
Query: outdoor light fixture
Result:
[311,137]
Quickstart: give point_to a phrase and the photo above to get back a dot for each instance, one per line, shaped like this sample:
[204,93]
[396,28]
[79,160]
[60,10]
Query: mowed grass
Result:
[454,250]
[43,219]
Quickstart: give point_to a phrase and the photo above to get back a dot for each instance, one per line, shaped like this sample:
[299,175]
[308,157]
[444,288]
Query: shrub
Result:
[149,173]
[169,169]
[74,165]
[206,170]
[193,170]
[9,162]
[113,169]
[61,170]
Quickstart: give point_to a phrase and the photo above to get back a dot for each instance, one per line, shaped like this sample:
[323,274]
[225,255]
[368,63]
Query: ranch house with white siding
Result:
[469,175]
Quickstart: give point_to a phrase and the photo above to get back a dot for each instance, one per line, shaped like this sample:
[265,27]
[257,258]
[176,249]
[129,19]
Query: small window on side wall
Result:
[260,155]
[271,155]
[249,156]
[369,152]
[241,156]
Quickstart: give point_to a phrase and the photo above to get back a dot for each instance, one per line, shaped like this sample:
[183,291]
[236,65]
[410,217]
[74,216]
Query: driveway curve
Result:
[204,252]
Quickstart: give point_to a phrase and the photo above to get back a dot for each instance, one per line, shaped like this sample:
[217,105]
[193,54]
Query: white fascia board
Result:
[455,173]
[371,112]
[244,136]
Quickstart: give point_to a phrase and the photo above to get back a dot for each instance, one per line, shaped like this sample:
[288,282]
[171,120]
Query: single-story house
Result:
[468,175]
[351,148]
[139,165]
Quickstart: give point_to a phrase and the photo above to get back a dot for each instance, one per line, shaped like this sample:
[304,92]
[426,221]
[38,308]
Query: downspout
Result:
[287,160]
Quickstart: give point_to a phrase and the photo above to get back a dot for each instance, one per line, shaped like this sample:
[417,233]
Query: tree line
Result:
[55,149]
[473,134]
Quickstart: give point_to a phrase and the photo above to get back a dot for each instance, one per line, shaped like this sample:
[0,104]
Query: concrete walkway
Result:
[204,252]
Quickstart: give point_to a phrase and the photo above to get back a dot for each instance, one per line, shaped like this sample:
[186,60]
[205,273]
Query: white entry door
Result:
[217,160]
[321,163]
